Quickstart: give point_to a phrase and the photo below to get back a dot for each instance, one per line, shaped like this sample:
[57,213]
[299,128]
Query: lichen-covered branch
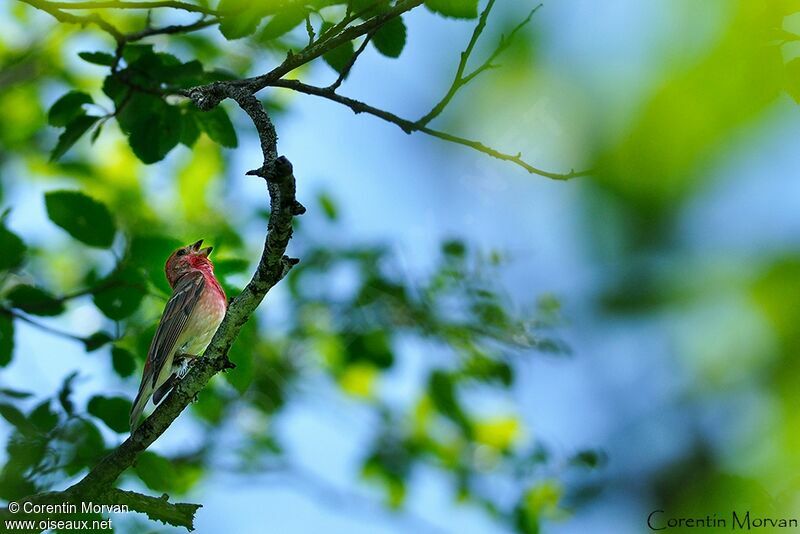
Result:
[156,508]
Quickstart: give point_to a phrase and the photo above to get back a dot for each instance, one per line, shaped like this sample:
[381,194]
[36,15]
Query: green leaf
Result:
[115,89]
[792,79]
[113,411]
[328,206]
[218,126]
[190,130]
[14,394]
[97,58]
[65,393]
[459,9]
[454,248]
[83,217]
[153,127]
[6,339]
[12,414]
[34,300]
[442,390]
[74,131]
[339,57]
[590,459]
[242,355]
[240,17]
[97,340]
[86,444]
[13,249]
[123,362]
[283,22]
[150,253]
[67,108]
[43,417]
[155,471]
[124,293]
[372,347]
[390,39]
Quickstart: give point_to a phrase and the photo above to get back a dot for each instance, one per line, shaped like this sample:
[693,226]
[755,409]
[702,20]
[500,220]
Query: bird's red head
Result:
[186,259]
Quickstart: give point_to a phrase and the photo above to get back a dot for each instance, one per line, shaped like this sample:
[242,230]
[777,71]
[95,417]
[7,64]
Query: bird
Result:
[191,317]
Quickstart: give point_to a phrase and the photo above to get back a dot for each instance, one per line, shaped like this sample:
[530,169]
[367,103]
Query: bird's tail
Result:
[139,403]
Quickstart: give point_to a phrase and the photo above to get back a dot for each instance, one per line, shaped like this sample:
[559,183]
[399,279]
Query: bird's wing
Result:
[183,300]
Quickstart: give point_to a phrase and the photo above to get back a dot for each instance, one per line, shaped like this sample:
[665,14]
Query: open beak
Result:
[196,246]
[205,251]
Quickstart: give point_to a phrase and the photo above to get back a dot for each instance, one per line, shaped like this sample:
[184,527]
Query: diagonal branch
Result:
[131,4]
[409,126]
[352,61]
[272,267]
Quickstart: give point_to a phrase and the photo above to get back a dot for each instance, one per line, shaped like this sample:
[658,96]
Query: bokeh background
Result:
[649,311]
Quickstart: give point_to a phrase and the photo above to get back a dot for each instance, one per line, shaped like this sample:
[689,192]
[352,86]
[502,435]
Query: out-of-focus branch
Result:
[172,29]
[409,126]
[130,4]
[41,326]
[55,10]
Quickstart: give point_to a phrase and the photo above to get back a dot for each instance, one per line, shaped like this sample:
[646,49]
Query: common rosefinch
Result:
[191,317]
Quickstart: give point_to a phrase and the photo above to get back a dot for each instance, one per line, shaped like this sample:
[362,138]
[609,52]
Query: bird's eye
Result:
[182,252]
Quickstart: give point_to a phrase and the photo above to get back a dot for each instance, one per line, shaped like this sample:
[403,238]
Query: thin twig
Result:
[460,79]
[125,4]
[62,16]
[171,29]
[409,126]
[352,61]
[41,326]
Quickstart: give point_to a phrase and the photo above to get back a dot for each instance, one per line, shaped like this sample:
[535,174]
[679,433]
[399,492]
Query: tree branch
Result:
[409,126]
[460,79]
[272,267]
[62,16]
[156,508]
[322,45]
[352,61]
[123,4]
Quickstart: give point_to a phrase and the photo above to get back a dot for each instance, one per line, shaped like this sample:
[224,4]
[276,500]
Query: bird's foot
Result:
[227,364]
[184,362]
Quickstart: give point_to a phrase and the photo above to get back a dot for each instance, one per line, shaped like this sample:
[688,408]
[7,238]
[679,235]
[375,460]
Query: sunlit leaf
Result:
[284,21]
[461,9]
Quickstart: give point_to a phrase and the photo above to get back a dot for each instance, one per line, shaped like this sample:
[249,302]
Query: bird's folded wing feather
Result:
[184,298]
